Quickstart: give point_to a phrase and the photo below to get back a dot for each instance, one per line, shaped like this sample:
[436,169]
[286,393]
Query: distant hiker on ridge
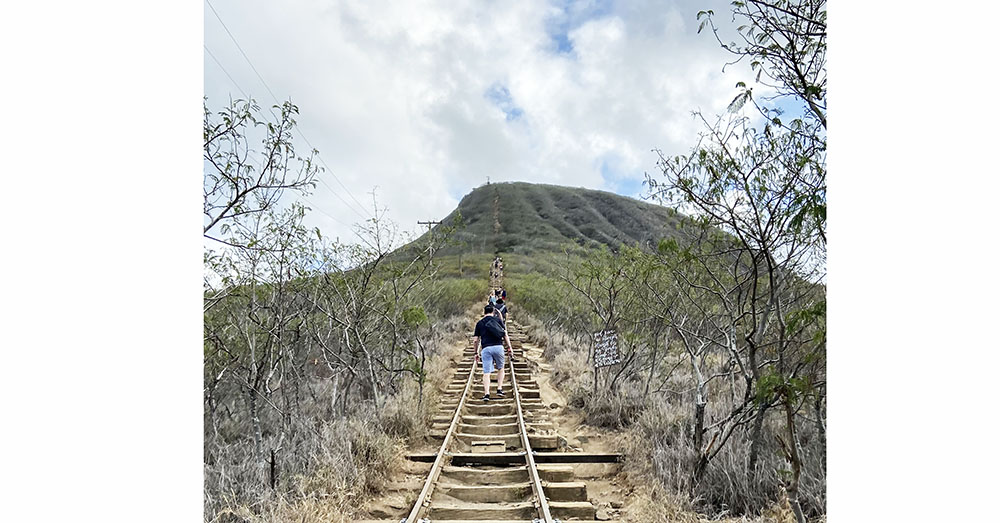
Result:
[490,335]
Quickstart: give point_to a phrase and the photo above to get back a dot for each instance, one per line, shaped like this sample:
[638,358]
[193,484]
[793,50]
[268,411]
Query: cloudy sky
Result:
[425,102]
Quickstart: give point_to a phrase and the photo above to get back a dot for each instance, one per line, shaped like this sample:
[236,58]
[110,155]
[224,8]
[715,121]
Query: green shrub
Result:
[454,296]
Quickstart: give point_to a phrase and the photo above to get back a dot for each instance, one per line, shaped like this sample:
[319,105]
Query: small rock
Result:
[582,439]
[603,515]
[553,405]
[617,504]
[562,441]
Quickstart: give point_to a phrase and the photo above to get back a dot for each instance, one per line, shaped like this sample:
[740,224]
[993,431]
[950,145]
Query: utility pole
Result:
[429,224]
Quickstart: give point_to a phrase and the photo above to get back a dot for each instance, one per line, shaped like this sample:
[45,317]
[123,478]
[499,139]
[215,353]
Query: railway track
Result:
[487,467]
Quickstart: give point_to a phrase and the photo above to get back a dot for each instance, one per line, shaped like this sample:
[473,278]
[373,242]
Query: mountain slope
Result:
[523,217]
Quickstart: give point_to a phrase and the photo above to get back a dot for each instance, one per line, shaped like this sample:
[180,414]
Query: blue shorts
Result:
[492,358]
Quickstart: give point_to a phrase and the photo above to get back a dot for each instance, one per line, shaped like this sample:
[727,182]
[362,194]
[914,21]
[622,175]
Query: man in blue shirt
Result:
[490,335]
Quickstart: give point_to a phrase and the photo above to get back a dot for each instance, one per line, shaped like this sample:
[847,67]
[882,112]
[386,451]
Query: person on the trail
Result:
[492,300]
[503,294]
[499,317]
[502,309]
[490,335]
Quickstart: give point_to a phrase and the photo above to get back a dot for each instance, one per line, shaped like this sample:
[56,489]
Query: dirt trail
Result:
[605,488]
[495,484]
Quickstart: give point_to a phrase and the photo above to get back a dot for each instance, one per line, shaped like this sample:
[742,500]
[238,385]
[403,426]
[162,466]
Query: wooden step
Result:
[565,491]
[441,510]
[498,428]
[489,446]
[492,476]
[557,473]
[494,409]
[487,420]
[573,509]
[487,493]
[537,441]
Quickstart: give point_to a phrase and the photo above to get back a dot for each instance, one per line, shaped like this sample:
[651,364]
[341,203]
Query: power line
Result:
[217,62]
[332,217]
[237,85]
[301,134]
[262,81]
[241,49]
[314,206]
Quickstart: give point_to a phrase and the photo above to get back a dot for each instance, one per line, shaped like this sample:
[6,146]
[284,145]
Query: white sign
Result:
[606,348]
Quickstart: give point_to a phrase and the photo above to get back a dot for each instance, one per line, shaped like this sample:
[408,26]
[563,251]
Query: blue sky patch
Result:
[620,181]
[791,107]
[500,96]
[573,14]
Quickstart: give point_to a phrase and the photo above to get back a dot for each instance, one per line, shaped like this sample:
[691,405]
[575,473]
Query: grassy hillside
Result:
[539,230]
[527,218]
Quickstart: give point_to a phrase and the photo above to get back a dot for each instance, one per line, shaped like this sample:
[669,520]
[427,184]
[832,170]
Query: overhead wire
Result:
[314,206]
[217,62]
[301,134]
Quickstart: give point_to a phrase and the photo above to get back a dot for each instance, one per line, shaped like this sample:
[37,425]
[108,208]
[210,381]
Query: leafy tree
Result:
[765,185]
[785,41]
[242,180]
[370,320]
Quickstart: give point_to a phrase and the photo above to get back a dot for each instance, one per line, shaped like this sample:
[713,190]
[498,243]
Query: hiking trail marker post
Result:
[606,348]
[605,351]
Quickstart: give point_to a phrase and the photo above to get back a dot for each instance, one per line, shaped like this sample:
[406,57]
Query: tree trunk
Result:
[421,378]
[793,457]
[652,363]
[213,408]
[699,402]
[274,470]
[820,426]
[699,422]
[755,442]
[371,376]
[258,438]
[335,395]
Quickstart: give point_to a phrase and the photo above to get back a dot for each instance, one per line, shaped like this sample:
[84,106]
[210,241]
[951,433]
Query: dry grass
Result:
[660,453]
[324,471]
[328,468]
[648,504]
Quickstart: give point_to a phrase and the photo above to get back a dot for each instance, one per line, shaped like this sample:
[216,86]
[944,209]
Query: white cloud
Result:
[425,101]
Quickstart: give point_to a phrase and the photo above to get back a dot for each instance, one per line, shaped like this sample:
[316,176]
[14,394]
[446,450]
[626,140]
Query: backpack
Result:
[495,328]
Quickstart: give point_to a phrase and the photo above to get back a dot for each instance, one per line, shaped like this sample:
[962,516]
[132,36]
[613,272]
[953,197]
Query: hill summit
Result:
[519,217]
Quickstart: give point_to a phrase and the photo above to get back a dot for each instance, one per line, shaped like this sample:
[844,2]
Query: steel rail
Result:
[536,482]
[439,461]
